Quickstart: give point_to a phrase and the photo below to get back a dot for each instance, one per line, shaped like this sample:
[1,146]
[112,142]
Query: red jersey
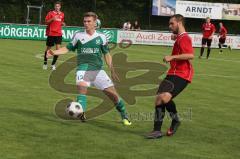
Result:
[208,30]
[55,27]
[222,32]
[182,68]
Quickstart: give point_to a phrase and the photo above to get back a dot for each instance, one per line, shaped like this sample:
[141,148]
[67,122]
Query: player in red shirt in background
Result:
[208,30]
[178,77]
[222,37]
[54,21]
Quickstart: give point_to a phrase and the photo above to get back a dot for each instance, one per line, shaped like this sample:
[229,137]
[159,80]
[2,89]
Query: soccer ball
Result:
[74,109]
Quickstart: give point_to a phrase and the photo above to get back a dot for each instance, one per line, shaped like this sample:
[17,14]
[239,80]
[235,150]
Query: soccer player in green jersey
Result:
[91,45]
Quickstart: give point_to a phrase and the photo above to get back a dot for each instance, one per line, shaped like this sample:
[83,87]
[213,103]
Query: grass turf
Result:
[30,128]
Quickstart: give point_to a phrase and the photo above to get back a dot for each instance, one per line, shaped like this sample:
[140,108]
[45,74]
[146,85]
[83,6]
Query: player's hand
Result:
[210,37]
[50,53]
[114,75]
[167,59]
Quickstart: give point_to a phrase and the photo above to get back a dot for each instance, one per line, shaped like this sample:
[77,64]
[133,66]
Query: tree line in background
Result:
[112,13]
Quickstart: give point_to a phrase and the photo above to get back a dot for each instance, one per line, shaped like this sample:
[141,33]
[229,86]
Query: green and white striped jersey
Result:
[90,49]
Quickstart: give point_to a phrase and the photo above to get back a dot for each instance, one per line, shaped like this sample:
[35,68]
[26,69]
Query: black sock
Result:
[159,115]
[202,50]
[220,46]
[45,58]
[54,59]
[171,108]
[208,52]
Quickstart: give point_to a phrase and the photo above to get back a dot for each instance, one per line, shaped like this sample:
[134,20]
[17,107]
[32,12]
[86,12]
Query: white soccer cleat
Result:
[53,67]
[44,67]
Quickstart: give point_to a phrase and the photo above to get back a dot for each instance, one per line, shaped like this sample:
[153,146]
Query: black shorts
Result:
[206,41]
[51,40]
[222,40]
[172,84]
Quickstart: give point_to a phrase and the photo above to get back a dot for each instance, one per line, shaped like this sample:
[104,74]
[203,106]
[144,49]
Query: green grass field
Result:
[30,128]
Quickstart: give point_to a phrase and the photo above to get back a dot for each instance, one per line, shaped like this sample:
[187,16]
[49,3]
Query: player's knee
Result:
[112,95]
[166,97]
[82,87]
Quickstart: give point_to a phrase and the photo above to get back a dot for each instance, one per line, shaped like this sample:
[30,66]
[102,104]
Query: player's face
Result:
[89,23]
[57,7]
[208,20]
[173,25]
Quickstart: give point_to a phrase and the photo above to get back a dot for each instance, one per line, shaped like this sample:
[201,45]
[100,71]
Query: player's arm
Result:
[187,52]
[185,56]
[108,60]
[60,51]
[48,21]
[213,32]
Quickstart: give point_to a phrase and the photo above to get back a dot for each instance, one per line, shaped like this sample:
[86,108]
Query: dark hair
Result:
[179,18]
[90,14]
[58,2]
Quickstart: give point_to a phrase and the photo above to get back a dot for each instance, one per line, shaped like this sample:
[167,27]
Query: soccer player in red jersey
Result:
[222,37]
[54,21]
[178,77]
[208,30]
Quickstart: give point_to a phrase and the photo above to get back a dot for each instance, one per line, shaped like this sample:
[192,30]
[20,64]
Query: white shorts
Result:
[98,78]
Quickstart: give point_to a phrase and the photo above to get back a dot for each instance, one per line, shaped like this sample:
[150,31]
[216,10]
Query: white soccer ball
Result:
[74,109]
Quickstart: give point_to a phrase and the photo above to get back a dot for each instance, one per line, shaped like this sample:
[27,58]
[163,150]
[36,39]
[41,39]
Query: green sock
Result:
[120,106]
[82,99]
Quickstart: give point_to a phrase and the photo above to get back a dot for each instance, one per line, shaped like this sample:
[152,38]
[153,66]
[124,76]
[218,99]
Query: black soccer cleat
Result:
[82,117]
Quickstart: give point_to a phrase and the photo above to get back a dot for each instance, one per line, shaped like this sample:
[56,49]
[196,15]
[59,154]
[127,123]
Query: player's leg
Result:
[118,102]
[220,45]
[168,89]
[57,41]
[49,44]
[223,40]
[161,98]
[104,83]
[209,43]
[82,85]
[204,41]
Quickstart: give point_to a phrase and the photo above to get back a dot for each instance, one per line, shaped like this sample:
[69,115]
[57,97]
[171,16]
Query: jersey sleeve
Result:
[49,16]
[104,46]
[72,46]
[213,28]
[63,17]
[185,45]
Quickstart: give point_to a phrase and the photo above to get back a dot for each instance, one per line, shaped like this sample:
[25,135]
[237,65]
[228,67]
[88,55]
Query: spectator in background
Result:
[136,26]
[127,25]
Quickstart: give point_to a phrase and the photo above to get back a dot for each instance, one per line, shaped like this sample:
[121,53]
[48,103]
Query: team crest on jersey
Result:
[98,41]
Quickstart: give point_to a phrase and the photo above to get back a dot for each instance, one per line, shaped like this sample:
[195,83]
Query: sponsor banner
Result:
[231,11]
[164,7]
[195,9]
[163,38]
[199,9]
[37,32]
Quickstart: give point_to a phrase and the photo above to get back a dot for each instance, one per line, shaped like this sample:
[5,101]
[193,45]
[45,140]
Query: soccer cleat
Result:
[82,117]
[44,67]
[172,130]
[154,135]
[126,122]
[53,67]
